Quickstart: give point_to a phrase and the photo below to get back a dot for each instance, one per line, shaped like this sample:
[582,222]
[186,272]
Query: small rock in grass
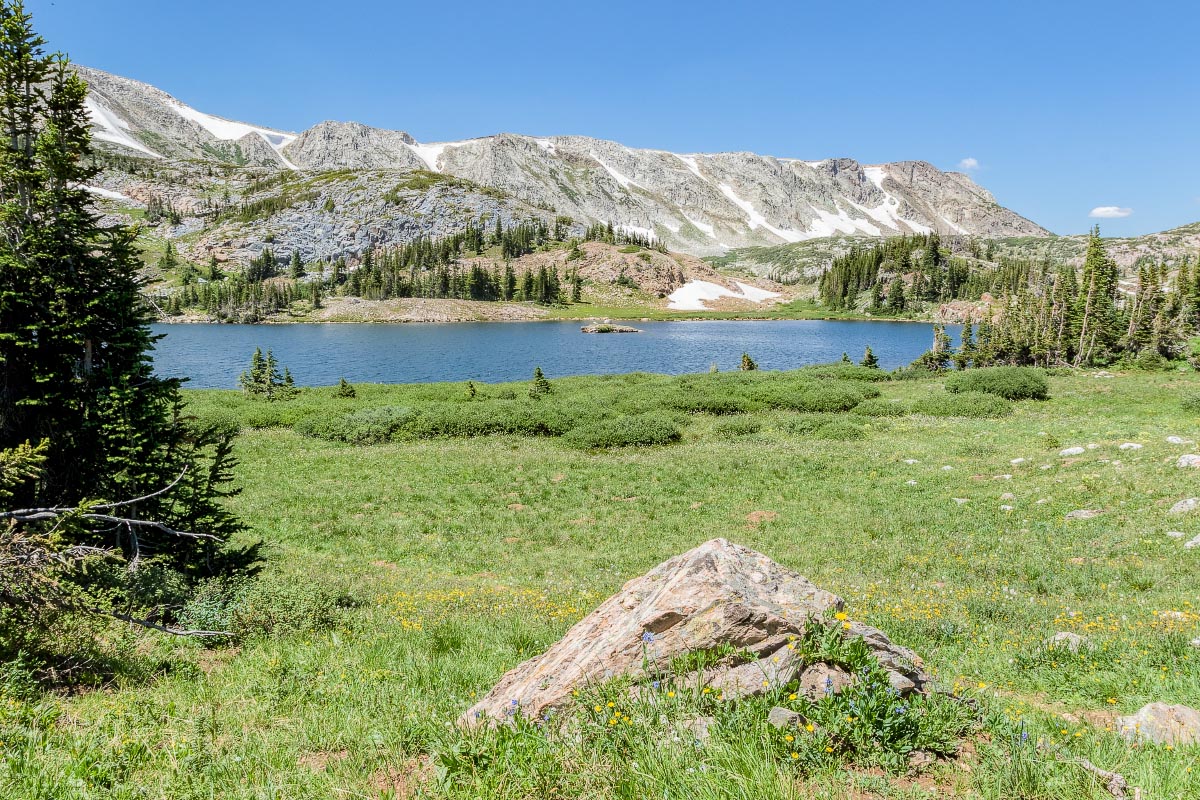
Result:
[1065,640]
[1176,534]
[1177,440]
[1084,513]
[1092,446]
[1194,543]
[947,468]
[1044,466]
[823,679]
[960,500]
[1008,496]
[1005,477]
[1196,643]
[699,727]
[911,483]
[1018,461]
[1185,506]
[1072,451]
[1006,508]
[911,461]
[1190,460]
[1131,446]
[919,760]
[1043,501]
[1161,723]
[782,717]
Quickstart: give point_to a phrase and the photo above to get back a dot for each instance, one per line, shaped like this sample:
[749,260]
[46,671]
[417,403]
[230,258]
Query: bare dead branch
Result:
[145,497]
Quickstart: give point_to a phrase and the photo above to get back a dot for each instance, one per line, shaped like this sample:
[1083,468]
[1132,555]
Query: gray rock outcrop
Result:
[719,597]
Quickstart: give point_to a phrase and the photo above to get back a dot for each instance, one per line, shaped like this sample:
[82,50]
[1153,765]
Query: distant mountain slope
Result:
[694,203]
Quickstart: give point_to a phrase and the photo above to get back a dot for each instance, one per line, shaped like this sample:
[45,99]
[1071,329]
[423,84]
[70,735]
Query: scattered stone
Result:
[1042,501]
[911,483]
[1161,723]
[1196,642]
[1072,451]
[607,327]
[911,461]
[947,468]
[823,679]
[1044,466]
[1005,477]
[1092,446]
[919,760]
[1084,513]
[782,717]
[718,595]
[1177,440]
[1006,508]
[961,500]
[1194,543]
[1018,461]
[1065,640]
[1185,506]
[1176,534]
[1131,446]
[699,727]
[1008,496]
[1190,460]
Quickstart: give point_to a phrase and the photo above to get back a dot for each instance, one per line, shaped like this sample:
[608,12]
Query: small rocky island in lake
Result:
[608,327]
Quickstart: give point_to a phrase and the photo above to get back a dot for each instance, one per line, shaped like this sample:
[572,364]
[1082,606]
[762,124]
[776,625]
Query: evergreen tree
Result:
[75,341]
[344,390]
[846,358]
[895,296]
[472,391]
[296,268]
[540,386]
[869,359]
[748,364]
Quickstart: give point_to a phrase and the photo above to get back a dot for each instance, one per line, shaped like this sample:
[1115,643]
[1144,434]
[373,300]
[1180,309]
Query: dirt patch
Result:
[319,761]
[756,518]
[403,780]
[211,660]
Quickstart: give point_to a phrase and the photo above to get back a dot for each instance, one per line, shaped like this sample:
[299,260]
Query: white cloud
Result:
[1109,212]
[969,163]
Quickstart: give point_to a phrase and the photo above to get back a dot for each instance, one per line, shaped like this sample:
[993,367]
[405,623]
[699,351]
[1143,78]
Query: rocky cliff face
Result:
[695,203]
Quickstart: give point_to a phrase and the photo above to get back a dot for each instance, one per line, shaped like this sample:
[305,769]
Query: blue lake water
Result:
[212,356]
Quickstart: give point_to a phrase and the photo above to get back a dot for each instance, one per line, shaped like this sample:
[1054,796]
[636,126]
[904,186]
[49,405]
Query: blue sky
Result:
[1061,106]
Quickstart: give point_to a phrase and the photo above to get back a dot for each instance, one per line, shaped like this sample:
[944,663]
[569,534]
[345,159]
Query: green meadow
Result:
[422,540]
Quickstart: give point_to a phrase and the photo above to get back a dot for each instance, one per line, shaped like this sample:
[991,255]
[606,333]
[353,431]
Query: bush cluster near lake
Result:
[1011,383]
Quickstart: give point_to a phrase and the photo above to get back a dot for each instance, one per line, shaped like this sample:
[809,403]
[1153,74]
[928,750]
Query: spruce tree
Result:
[75,340]
[540,386]
[748,364]
[296,268]
[869,359]
[344,390]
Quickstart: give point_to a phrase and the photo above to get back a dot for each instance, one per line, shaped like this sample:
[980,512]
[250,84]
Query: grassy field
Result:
[443,562]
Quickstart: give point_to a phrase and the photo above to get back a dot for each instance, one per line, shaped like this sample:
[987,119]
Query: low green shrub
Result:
[830,397]
[977,405]
[1190,402]
[879,407]
[366,426]
[737,426]
[709,402]
[804,424]
[1011,383]
[461,420]
[845,372]
[270,605]
[642,430]
[841,430]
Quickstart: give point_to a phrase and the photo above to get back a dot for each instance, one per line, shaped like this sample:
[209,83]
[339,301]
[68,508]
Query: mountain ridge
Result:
[698,203]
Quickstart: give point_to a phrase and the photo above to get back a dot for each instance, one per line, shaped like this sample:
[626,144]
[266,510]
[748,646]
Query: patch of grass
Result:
[470,555]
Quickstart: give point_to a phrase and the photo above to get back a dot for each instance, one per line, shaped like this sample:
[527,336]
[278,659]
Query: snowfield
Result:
[691,296]
[113,128]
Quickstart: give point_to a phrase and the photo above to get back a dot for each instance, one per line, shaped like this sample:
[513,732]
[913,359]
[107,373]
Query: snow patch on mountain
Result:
[228,130]
[693,294]
[108,193]
[703,227]
[756,220]
[113,128]
[624,180]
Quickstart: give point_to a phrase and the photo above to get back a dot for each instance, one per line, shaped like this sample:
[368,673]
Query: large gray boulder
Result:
[1162,723]
[718,597]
